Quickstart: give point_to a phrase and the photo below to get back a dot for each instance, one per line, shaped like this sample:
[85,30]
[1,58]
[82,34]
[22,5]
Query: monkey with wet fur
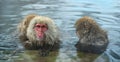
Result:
[39,33]
[93,39]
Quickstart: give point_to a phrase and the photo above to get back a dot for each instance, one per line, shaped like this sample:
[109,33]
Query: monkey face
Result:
[40,29]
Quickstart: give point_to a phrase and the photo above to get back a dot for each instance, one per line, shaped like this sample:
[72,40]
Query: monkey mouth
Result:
[40,35]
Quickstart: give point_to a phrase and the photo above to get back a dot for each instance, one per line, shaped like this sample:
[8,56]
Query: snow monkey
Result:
[39,33]
[92,38]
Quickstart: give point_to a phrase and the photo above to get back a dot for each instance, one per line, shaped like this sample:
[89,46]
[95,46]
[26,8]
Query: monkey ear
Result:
[22,27]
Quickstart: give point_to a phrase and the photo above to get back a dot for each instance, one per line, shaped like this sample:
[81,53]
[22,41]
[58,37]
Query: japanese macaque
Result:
[93,39]
[39,33]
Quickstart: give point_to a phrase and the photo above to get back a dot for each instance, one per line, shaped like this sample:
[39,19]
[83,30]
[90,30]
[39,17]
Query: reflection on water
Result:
[65,13]
[33,56]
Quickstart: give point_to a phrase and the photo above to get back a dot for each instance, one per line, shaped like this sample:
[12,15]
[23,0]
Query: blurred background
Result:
[64,13]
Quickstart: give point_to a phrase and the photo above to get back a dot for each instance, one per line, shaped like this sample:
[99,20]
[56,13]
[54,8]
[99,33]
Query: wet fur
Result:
[28,37]
[93,38]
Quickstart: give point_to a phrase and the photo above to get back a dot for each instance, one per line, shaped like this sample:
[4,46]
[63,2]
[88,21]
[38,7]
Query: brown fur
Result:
[28,37]
[22,27]
[92,38]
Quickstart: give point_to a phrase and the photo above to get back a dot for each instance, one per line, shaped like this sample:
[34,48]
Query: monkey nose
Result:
[40,29]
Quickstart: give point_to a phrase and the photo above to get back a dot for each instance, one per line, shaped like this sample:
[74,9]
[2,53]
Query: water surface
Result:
[64,13]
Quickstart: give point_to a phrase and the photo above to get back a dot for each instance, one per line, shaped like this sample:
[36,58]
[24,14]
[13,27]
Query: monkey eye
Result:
[41,26]
[37,26]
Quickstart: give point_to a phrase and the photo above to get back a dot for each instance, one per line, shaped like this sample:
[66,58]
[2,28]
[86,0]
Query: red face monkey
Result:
[39,32]
[93,39]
